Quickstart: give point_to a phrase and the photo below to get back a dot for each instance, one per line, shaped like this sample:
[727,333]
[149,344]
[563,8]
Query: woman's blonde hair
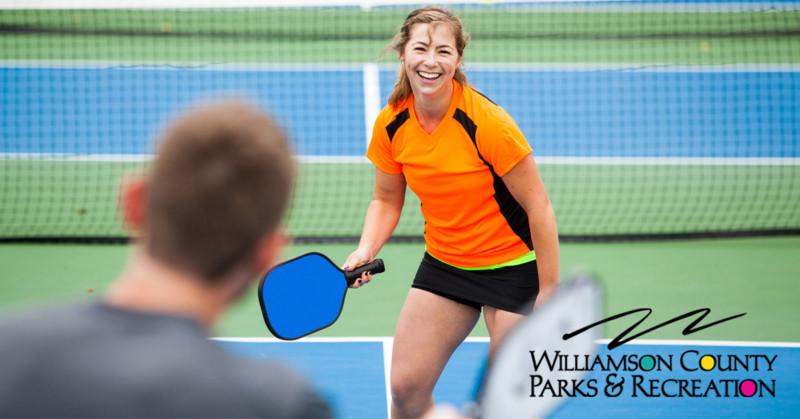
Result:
[434,16]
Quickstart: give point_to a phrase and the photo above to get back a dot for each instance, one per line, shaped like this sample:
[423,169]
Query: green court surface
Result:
[347,35]
[53,197]
[757,276]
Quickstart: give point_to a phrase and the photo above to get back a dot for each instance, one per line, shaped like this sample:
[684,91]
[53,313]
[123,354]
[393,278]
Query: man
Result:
[206,220]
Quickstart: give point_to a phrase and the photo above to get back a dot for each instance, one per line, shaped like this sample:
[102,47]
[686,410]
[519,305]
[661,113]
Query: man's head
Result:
[217,190]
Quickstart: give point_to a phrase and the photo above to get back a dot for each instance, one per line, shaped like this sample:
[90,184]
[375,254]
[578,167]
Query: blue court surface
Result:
[716,112]
[658,379]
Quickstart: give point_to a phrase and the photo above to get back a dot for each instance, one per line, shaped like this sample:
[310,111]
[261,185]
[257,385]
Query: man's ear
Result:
[270,250]
[133,202]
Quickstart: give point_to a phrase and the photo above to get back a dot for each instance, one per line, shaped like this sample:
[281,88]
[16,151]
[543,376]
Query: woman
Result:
[484,204]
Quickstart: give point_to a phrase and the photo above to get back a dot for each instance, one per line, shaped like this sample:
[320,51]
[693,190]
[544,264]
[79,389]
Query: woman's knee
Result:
[410,399]
[408,386]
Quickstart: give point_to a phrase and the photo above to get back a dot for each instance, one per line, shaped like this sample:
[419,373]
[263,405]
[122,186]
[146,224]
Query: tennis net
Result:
[648,119]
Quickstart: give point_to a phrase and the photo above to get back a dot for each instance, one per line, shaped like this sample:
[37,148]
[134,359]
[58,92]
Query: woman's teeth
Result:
[428,76]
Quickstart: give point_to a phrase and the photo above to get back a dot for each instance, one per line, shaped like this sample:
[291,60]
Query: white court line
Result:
[371,67]
[630,67]
[78,157]
[136,158]
[333,159]
[611,161]
[388,343]
[178,65]
[479,339]
[357,339]
[671,161]
[372,97]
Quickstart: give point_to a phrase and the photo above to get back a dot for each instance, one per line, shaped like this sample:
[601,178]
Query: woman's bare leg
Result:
[429,330]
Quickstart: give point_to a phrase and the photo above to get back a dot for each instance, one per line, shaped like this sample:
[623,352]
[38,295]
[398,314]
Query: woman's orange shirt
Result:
[471,219]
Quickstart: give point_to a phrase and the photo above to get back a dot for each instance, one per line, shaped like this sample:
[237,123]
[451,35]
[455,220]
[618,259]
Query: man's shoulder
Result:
[119,357]
[43,321]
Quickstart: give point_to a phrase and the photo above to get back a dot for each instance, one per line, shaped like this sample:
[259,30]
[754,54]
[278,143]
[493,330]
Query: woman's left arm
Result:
[525,184]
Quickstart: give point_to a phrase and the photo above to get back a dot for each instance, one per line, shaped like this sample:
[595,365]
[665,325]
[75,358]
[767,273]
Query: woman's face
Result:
[430,59]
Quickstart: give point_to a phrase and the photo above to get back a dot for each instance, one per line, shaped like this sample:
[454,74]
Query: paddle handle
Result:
[374,267]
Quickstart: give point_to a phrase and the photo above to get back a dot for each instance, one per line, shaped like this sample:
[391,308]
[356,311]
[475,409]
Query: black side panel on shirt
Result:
[398,121]
[512,211]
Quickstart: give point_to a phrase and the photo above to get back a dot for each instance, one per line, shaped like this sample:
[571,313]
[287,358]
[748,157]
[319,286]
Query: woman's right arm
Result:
[383,214]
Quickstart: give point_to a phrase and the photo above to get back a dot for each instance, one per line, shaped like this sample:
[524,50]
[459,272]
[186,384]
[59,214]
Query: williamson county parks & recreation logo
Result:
[656,371]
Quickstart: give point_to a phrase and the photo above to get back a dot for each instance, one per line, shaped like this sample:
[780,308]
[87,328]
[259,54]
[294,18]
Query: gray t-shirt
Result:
[94,360]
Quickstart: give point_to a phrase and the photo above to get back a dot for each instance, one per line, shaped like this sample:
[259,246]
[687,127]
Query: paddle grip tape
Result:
[374,267]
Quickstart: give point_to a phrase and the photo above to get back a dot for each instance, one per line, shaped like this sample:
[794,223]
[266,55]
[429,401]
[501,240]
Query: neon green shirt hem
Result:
[528,257]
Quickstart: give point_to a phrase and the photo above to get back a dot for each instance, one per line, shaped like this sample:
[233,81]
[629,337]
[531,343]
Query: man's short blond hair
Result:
[220,183]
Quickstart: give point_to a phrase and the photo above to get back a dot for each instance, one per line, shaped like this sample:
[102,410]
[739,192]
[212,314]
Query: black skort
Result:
[511,288]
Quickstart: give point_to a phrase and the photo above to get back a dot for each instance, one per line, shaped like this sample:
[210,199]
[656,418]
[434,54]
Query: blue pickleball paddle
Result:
[306,294]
